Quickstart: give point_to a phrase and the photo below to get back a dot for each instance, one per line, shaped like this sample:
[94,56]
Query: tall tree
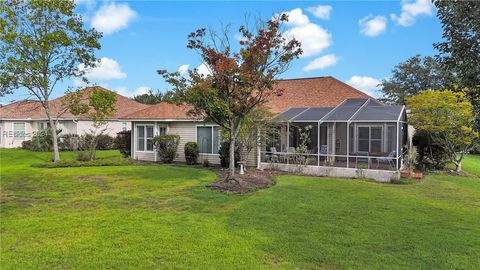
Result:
[152,97]
[99,106]
[460,50]
[43,43]
[413,76]
[447,117]
[239,81]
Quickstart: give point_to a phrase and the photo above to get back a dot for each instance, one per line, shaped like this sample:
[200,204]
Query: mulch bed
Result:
[252,180]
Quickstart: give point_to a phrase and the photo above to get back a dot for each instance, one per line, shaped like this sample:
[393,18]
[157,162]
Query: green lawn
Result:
[163,217]
[471,164]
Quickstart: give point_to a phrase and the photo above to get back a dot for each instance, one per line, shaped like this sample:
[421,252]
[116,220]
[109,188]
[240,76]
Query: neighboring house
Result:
[20,120]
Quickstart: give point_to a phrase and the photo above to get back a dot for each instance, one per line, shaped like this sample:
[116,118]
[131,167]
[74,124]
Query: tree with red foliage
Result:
[239,82]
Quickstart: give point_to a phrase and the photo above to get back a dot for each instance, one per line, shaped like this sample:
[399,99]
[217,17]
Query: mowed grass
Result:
[163,217]
[471,164]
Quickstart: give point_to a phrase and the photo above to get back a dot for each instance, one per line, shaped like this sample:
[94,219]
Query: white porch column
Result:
[348,144]
[398,145]
[318,144]
[288,141]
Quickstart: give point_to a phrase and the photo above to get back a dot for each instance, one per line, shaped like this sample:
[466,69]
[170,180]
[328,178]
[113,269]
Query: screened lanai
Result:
[358,133]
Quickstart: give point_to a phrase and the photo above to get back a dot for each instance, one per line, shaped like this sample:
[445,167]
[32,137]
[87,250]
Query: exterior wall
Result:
[188,133]
[341,135]
[142,155]
[7,139]
[67,126]
[187,130]
[377,175]
[112,127]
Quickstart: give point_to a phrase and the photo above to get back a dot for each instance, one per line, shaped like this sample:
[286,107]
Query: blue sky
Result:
[358,42]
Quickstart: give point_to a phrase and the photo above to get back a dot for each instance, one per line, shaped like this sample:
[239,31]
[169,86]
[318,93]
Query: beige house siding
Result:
[8,140]
[112,127]
[188,133]
[67,127]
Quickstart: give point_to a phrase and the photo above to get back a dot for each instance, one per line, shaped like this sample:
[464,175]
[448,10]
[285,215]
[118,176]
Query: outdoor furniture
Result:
[273,156]
[387,160]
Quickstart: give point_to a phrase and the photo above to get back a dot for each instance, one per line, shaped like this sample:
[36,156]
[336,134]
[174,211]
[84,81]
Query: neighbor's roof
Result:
[163,111]
[299,93]
[32,109]
[351,110]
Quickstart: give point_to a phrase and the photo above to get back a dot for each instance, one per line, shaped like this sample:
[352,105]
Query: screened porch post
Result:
[398,150]
[348,144]
[288,140]
[318,144]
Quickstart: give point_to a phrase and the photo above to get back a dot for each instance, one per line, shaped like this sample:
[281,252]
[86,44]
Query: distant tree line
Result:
[154,97]
[436,88]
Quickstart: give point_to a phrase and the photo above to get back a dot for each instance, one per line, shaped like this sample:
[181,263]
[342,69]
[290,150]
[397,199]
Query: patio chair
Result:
[387,160]
[324,152]
[273,154]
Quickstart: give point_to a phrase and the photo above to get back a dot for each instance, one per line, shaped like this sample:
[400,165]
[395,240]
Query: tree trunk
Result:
[231,166]
[458,167]
[53,127]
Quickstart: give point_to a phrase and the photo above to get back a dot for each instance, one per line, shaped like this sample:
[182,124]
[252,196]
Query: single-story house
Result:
[341,117]
[20,120]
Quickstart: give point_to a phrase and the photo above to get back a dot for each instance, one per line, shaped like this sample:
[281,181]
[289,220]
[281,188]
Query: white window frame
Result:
[24,131]
[213,134]
[42,125]
[144,138]
[159,126]
[370,137]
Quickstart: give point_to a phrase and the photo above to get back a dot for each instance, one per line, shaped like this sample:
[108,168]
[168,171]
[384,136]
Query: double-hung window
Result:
[43,125]
[18,131]
[144,138]
[369,138]
[208,139]
[162,129]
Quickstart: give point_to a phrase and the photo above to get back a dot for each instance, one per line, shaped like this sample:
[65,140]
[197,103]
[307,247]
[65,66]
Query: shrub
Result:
[206,163]
[167,146]
[41,141]
[191,152]
[224,154]
[83,156]
[27,145]
[69,142]
[430,156]
[123,142]
[84,142]
[105,142]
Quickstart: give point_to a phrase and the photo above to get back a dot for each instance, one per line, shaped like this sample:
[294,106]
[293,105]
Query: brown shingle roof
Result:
[298,93]
[162,110]
[312,92]
[32,109]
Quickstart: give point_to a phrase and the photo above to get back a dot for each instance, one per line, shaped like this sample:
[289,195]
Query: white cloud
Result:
[113,17]
[366,84]
[107,69]
[183,69]
[204,70]
[410,10]
[313,37]
[123,90]
[321,62]
[321,12]
[296,17]
[373,26]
